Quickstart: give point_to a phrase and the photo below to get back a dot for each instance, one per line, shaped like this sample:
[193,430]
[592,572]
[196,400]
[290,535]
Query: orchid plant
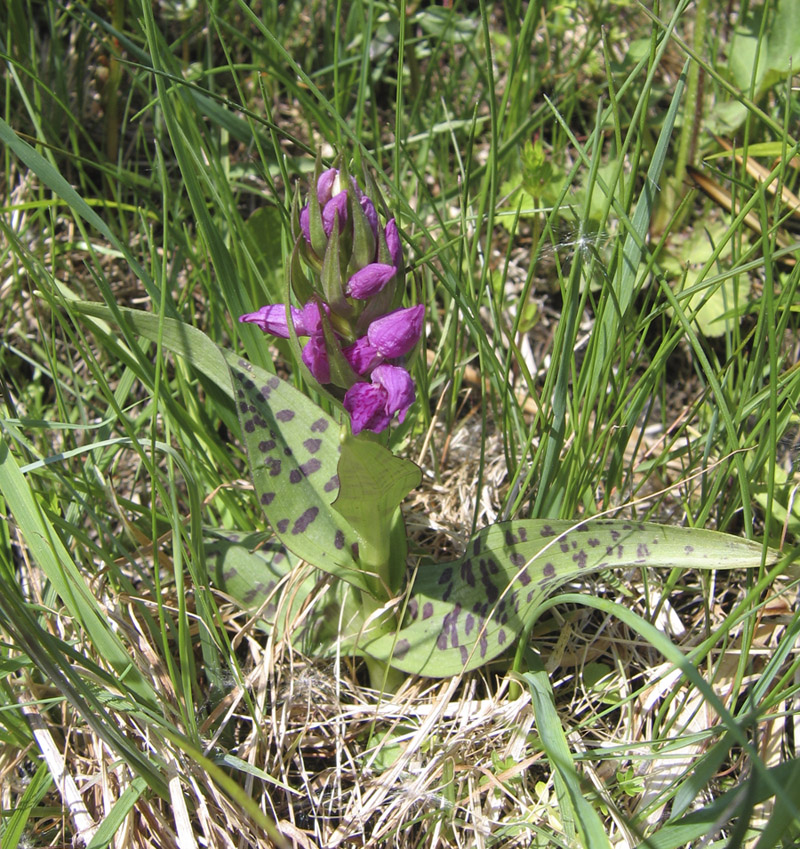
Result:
[331,490]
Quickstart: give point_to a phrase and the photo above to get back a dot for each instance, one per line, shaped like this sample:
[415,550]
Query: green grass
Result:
[602,337]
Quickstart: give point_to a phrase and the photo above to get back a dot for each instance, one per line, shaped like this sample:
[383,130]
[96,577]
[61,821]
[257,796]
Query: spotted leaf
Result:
[462,614]
[293,448]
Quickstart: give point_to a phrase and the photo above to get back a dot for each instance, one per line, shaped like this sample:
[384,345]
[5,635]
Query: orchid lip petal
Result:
[367,407]
[399,387]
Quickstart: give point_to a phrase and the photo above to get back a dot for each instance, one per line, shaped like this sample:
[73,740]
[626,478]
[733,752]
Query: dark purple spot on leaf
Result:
[547,531]
[642,551]
[319,426]
[413,609]
[501,637]
[523,535]
[305,520]
[266,498]
[549,570]
[332,484]
[287,451]
[593,542]
[284,415]
[273,382]
[401,649]
[517,559]
[524,578]
[354,550]
[446,575]
[464,654]
[243,406]
[250,426]
[564,546]
[274,466]
[312,445]
[338,540]
[468,623]
[310,466]
[282,525]
[689,549]
[580,559]
[510,538]
[427,610]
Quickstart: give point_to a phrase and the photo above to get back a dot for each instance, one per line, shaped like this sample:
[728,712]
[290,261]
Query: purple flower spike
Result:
[370,280]
[337,205]
[372,407]
[395,334]
[272,319]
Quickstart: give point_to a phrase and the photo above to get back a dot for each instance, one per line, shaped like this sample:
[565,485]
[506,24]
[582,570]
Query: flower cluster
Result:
[357,333]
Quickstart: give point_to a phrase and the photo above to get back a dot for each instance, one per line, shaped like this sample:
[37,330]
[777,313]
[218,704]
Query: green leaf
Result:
[462,614]
[373,482]
[575,810]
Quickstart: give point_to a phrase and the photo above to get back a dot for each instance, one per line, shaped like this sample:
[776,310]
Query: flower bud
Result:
[369,280]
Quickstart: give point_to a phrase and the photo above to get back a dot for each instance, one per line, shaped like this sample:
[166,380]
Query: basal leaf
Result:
[464,613]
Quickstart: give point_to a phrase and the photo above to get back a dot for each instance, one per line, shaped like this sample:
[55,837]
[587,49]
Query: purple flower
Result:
[372,406]
[272,319]
[369,280]
[395,334]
